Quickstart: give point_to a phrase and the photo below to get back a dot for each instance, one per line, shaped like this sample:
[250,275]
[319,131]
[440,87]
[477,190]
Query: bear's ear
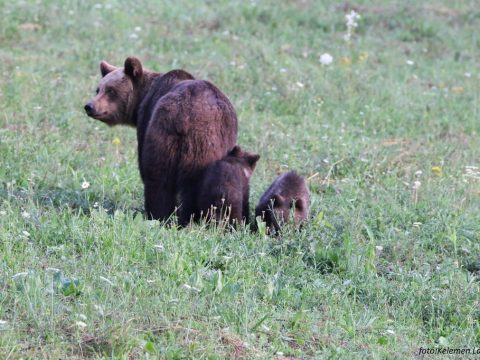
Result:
[133,68]
[278,200]
[300,204]
[106,68]
[252,160]
[236,150]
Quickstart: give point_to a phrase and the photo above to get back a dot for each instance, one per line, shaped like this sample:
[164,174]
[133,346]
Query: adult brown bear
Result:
[182,125]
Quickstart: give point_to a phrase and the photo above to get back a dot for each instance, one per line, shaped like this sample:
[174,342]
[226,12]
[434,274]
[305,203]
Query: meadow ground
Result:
[388,134]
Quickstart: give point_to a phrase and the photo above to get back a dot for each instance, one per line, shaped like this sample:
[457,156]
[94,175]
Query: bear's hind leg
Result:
[159,200]
[188,210]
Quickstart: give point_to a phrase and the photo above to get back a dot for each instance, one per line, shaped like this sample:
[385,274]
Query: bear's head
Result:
[279,210]
[117,93]
[247,160]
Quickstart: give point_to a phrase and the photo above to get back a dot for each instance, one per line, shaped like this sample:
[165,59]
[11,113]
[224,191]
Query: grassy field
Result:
[388,135]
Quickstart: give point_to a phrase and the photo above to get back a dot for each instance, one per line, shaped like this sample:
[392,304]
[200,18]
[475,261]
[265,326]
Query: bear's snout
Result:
[89,109]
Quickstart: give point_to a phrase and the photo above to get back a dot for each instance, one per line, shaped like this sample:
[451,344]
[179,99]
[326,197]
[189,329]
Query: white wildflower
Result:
[418,173]
[25,215]
[26,233]
[326,59]
[300,85]
[410,62]
[138,28]
[416,185]
[85,185]
[351,23]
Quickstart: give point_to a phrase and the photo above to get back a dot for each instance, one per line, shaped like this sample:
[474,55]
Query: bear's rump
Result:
[193,122]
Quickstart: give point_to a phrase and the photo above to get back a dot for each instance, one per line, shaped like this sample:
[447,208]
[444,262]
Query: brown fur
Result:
[224,188]
[182,125]
[288,192]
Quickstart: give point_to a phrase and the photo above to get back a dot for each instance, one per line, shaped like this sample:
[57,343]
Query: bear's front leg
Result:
[159,200]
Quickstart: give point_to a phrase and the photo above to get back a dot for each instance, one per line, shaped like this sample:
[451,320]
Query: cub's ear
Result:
[278,200]
[252,160]
[236,150]
[106,68]
[300,204]
[133,68]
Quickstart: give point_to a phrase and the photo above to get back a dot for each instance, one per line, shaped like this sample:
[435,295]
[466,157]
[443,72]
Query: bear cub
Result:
[224,188]
[287,193]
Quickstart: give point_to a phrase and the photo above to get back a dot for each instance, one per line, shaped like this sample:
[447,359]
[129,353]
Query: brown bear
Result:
[182,125]
[224,188]
[288,192]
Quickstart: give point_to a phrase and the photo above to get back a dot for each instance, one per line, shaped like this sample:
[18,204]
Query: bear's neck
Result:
[143,89]
[151,89]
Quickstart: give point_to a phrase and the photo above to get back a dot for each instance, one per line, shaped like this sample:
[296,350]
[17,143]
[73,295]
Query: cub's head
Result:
[116,97]
[247,160]
[279,210]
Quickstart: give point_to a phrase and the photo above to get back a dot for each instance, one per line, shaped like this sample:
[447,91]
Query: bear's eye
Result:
[110,91]
[97,91]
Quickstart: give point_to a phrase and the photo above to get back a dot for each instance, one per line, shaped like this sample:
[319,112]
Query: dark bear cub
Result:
[288,193]
[224,188]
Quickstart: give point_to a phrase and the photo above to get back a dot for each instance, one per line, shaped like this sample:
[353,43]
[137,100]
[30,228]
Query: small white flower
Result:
[283,70]
[418,173]
[467,74]
[410,62]
[25,215]
[133,36]
[3,212]
[26,233]
[300,85]
[3,324]
[416,185]
[85,185]
[351,24]
[326,59]
[138,28]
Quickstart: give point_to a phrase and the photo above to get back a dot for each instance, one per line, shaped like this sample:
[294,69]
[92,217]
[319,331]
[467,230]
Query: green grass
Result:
[377,272]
